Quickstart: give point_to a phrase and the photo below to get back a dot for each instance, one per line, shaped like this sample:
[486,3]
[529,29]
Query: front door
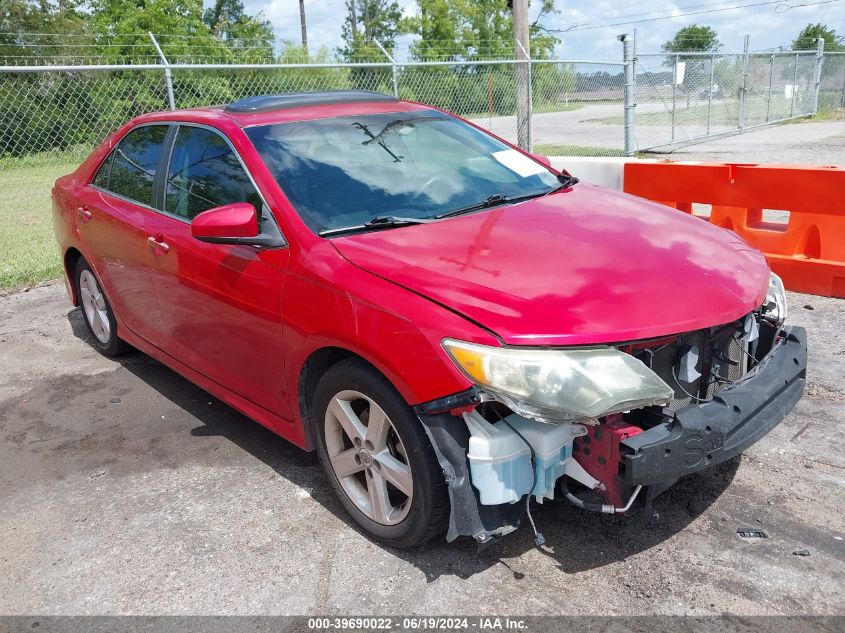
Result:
[220,304]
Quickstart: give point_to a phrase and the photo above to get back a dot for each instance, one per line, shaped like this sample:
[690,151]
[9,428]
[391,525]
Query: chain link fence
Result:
[57,113]
[51,117]
[54,110]
[684,97]
[832,84]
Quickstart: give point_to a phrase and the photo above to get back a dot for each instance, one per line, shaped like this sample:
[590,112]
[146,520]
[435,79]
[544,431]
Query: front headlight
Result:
[775,306]
[561,384]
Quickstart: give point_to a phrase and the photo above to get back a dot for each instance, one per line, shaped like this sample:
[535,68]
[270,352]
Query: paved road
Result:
[579,127]
[805,142]
[124,489]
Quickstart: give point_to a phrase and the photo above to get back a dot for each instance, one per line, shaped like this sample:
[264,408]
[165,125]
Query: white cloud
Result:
[767,27]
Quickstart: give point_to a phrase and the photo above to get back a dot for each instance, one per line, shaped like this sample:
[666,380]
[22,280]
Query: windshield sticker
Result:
[518,163]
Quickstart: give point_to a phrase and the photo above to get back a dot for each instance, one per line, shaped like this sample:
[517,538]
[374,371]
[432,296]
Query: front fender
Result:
[395,330]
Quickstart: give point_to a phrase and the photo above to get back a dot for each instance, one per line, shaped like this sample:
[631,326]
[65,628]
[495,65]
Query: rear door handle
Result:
[83,213]
[158,244]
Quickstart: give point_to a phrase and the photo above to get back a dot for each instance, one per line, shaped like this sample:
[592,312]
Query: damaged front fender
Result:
[450,438]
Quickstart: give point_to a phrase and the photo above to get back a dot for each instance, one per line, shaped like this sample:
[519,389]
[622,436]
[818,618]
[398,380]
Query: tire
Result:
[386,513]
[97,312]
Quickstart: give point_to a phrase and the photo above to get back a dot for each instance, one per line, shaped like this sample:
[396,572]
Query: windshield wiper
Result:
[565,180]
[378,222]
[489,201]
[392,220]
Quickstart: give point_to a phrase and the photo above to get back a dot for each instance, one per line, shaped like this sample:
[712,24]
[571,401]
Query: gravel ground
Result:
[124,489]
[804,143]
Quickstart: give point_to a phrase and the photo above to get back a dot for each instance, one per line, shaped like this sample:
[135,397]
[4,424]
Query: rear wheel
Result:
[377,456]
[99,317]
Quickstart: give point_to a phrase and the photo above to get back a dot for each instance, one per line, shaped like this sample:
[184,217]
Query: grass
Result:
[835,114]
[722,113]
[575,150]
[28,251]
[538,108]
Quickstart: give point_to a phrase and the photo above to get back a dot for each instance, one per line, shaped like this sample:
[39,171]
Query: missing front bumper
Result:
[701,436]
[695,438]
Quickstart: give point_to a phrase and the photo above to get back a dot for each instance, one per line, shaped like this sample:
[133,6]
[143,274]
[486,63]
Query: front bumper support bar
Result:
[701,436]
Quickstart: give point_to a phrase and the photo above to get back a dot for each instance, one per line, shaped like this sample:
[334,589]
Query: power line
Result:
[681,15]
[683,8]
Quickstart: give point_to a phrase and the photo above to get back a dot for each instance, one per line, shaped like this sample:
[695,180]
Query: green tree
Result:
[305,79]
[470,30]
[121,26]
[439,27]
[808,36]
[250,36]
[366,21]
[473,29]
[692,39]
[30,28]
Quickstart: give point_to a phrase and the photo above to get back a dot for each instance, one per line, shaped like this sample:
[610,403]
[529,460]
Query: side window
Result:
[102,177]
[205,173]
[134,163]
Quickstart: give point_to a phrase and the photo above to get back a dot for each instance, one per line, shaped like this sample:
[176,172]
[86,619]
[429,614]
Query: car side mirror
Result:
[543,159]
[232,224]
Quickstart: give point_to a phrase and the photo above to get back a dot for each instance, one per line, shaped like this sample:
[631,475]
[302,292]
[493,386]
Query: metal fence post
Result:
[628,43]
[674,94]
[818,77]
[744,85]
[392,67]
[794,87]
[530,88]
[710,93]
[843,94]
[771,77]
[168,77]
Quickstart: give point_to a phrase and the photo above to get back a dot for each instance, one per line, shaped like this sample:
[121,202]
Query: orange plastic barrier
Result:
[807,250]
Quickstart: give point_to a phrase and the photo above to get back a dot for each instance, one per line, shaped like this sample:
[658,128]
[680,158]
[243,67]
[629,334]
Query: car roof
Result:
[268,103]
[296,106]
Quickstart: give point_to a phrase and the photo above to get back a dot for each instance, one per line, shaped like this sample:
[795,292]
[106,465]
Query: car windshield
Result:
[345,171]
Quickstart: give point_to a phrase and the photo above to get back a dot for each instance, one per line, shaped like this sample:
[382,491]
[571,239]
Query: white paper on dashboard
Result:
[518,163]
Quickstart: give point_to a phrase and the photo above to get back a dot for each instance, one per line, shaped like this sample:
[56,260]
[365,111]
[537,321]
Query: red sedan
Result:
[453,325]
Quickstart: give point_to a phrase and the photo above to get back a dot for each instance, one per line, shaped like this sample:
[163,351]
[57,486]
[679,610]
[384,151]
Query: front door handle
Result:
[83,213]
[158,244]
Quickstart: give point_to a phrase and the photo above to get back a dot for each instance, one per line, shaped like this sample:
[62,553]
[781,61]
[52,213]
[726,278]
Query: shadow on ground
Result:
[575,539]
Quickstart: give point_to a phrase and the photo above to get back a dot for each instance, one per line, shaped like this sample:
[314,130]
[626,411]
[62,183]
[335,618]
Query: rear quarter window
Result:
[130,169]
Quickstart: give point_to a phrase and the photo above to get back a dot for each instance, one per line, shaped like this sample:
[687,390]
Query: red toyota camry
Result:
[454,326]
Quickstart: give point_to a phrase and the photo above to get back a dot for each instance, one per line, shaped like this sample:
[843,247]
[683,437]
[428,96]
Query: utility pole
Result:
[523,90]
[353,17]
[302,25]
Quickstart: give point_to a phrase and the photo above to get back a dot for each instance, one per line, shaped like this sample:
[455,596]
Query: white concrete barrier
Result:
[606,171]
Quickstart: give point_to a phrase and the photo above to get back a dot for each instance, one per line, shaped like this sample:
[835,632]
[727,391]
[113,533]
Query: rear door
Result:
[220,304]
[112,214]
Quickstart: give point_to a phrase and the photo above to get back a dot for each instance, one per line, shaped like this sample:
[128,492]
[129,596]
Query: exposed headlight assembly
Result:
[561,384]
[775,307]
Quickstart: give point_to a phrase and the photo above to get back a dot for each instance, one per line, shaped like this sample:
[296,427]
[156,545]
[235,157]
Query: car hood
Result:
[582,266]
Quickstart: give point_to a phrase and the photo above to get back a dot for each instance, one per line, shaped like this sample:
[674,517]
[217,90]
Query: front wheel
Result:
[377,456]
[97,311]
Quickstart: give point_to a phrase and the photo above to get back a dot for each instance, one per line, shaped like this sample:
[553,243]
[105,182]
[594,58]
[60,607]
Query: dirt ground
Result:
[124,489]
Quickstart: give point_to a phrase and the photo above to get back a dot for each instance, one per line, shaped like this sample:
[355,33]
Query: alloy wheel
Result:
[368,457]
[94,306]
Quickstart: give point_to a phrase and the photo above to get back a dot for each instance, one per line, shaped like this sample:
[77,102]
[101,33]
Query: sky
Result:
[770,24]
